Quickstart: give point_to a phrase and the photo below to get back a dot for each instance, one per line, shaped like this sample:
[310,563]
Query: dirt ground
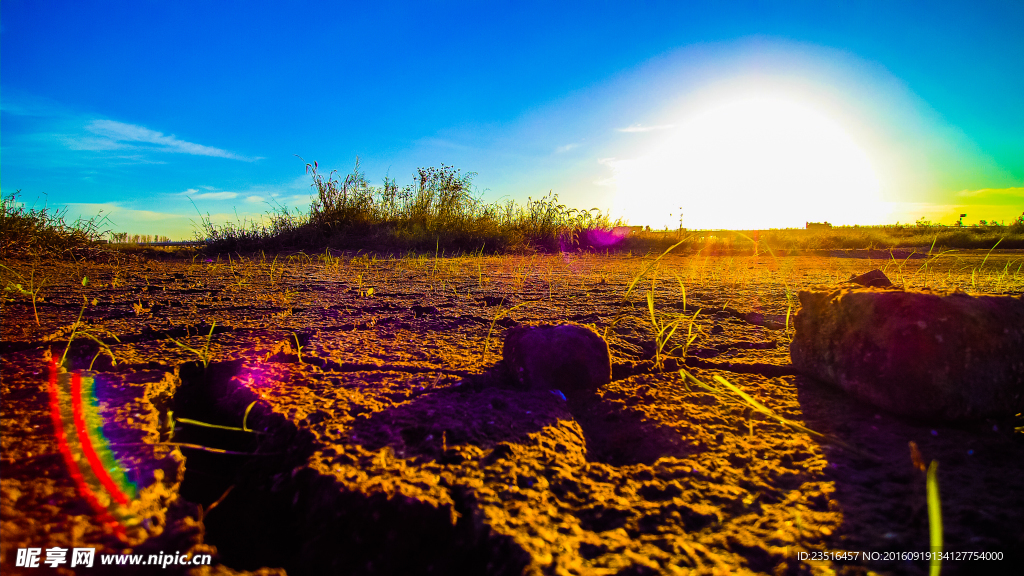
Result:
[380,434]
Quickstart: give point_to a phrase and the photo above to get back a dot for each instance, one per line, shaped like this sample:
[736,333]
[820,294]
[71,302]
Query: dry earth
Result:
[392,443]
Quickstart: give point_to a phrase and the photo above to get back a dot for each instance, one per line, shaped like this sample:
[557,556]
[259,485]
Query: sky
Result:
[757,114]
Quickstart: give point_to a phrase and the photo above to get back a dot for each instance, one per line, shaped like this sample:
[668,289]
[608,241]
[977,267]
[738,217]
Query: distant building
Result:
[623,231]
[818,225]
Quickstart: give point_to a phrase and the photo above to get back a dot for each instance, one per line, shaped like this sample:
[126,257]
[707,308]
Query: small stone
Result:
[874,279]
[939,357]
[566,357]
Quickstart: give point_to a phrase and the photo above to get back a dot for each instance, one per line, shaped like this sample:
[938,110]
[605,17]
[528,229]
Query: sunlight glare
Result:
[755,162]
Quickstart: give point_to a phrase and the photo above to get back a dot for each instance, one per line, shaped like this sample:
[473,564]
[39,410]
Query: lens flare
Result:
[92,465]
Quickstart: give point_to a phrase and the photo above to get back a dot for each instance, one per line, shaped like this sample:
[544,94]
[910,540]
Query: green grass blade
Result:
[218,426]
[650,307]
[745,398]
[683,290]
[498,316]
[671,329]
[245,418]
[654,263]
[298,349]
[934,518]
[989,253]
[215,450]
[73,331]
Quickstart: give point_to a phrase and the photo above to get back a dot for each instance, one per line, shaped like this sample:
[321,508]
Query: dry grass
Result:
[42,232]
[439,211]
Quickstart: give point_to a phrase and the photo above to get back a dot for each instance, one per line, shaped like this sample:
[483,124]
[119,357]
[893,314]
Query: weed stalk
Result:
[934,518]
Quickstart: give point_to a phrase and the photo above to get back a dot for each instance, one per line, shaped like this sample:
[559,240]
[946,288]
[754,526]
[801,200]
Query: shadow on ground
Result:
[883,502]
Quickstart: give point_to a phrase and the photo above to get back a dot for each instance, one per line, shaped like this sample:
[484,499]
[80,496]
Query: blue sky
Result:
[734,113]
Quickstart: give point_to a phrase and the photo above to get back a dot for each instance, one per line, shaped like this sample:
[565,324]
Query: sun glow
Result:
[754,162]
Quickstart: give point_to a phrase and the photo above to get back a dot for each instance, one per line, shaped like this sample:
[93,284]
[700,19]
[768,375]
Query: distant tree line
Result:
[1016,226]
[125,238]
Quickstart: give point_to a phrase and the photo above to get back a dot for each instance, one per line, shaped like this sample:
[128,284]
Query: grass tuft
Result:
[204,354]
[38,232]
[498,315]
[31,292]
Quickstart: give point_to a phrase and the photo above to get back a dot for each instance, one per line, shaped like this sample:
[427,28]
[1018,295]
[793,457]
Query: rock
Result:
[419,311]
[566,357]
[874,279]
[942,357]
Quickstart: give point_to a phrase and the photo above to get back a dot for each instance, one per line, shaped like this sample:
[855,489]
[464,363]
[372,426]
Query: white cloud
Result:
[112,135]
[253,195]
[641,128]
[566,148]
[613,164]
[89,143]
[216,195]
[195,194]
[297,198]
[137,159]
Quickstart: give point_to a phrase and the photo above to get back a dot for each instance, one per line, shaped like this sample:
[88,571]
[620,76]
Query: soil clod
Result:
[941,357]
[566,357]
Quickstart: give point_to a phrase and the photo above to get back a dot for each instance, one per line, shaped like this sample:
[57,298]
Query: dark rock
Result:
[566,357]
[874,279]
[942,357]
[420,311]
[493,300]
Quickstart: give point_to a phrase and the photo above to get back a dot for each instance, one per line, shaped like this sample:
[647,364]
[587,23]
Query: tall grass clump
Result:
[440,210]
[279,227]
[440,203]
[36,232]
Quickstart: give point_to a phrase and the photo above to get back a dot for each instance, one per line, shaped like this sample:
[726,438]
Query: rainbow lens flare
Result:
[78,429]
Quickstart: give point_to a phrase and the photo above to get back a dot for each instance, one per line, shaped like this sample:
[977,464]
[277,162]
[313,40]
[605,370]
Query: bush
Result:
[41,232]
[440,210]
[1017,226]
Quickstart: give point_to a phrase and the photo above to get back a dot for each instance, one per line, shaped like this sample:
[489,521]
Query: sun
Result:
[751,163]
